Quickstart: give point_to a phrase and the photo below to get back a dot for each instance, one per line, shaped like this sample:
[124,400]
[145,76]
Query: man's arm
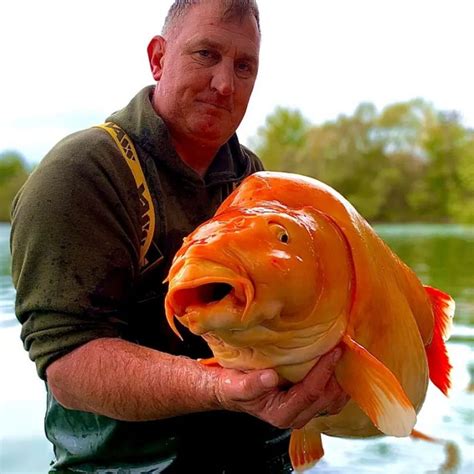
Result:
[126,381]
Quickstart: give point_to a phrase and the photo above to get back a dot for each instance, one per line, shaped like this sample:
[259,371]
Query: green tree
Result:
[13,173]
[401,127]
[450,149]
[401,130]
[407,163]
[279,141]
[346,155]
[462,201]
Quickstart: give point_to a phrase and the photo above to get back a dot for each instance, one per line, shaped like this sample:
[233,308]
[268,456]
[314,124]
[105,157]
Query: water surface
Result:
[442,256]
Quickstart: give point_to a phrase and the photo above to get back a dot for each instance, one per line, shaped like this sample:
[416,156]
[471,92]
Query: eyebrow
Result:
[203,43]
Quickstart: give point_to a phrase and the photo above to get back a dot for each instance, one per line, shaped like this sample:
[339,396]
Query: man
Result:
[122,395]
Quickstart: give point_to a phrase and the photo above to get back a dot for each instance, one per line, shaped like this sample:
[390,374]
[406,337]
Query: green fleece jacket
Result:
[75,244]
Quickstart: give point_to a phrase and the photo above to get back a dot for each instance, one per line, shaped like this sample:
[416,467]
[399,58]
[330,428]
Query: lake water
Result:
[442,256]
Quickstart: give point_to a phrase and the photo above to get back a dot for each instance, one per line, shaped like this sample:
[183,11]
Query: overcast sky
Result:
[67,64]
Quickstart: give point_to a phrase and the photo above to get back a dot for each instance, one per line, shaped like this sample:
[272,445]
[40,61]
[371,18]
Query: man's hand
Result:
[129,382]
[258,394]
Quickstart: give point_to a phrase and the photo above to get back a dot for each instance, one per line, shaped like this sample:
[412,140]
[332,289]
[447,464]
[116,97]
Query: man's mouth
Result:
[216,104]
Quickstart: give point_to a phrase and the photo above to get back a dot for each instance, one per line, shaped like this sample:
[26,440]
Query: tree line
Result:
[408,162]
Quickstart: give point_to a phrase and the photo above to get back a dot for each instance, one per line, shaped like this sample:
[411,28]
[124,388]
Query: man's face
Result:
[208,70]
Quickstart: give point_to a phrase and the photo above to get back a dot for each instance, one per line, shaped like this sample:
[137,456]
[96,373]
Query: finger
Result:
[320,374]
[297,408]
[326,404]
[249,386]
[302,395]
[328,401]
[313,411]
[331,402]
[338,396]
[338,404]
[318,409]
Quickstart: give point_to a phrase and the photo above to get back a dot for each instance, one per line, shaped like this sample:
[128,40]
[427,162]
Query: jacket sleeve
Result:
[75,247]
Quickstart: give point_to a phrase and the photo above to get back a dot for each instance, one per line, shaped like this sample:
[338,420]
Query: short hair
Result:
[232,9]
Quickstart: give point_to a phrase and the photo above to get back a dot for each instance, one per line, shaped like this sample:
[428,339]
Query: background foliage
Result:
[13,173]
[408,162]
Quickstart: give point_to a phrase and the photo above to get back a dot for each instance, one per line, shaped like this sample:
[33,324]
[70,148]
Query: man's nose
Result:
[223,78]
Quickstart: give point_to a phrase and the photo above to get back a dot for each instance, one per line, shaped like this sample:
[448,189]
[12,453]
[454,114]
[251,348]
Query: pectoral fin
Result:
[306,448]
[375,389]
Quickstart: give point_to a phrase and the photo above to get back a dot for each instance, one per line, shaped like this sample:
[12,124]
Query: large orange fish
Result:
[285,271]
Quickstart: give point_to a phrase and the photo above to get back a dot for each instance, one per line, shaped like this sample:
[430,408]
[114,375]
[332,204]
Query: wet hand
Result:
[258,393]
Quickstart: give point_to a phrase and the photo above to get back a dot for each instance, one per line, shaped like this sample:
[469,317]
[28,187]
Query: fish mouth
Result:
[210,302]
[205,294]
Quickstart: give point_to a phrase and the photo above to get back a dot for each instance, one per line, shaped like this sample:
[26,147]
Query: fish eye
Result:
[284,237]
[280,232]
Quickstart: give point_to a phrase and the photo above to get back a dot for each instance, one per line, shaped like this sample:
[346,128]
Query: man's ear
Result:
[156,51]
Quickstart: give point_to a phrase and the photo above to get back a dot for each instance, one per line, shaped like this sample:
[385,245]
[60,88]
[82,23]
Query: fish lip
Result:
[201,282]
[242,291]
[207,270]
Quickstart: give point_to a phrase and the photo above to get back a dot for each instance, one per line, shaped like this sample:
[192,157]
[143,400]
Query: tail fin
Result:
[306,447]
[438,361]
[451,449]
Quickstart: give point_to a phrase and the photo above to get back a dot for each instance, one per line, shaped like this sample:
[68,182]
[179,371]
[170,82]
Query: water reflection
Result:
[442,256]
[4,251]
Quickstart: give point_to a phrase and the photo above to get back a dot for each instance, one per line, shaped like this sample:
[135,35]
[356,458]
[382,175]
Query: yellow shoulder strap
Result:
[125,145]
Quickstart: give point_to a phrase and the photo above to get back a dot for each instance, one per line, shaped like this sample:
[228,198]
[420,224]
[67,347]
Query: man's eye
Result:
[207,55]
[244,69]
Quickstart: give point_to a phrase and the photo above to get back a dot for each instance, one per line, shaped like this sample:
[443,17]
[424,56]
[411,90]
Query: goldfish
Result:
[285,271]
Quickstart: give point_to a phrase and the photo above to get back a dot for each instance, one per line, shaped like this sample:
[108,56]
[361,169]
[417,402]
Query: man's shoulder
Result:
[82,153]
[86,160]
[84,167]
[89,142]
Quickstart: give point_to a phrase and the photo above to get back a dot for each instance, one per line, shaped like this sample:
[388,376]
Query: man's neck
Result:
[195,155]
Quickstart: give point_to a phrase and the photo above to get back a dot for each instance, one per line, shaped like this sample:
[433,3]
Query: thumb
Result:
[268,378]
[258,382]
[243,387]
